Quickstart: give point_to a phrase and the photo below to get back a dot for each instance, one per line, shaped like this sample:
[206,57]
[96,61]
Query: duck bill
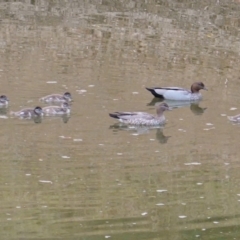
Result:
[205,89]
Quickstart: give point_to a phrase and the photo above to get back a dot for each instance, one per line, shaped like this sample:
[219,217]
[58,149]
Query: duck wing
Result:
[131,115]
[171,93]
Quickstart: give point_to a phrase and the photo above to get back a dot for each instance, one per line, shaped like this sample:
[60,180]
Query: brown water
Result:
[86,177]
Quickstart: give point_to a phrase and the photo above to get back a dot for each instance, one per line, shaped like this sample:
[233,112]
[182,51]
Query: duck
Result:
[4,101]
[57,98]
[57,110]
[235,119]
[142,118]
[179,94]
[29,112]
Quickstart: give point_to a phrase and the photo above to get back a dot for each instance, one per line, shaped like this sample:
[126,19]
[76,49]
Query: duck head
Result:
[67,96]
[65,105]
[162,107]
[197,86]
[3,98]
[38,111]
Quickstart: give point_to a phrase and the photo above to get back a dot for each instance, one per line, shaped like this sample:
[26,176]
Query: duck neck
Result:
[159,112]
[194,89]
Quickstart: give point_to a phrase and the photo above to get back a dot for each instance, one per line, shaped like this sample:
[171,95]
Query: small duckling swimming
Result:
[235,119]
[57,98]
[4,101]
[56,110]
[29,112]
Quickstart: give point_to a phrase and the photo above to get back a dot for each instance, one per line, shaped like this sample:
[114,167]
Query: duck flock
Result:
[38,112]
[128,118]
[167,93]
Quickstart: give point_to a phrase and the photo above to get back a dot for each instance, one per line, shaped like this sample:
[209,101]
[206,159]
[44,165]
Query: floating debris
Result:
[77,140]
[181,130]
[45,181]
[51,82]
[207,129]
[65,137]
[81,91]
[161,190]
[192,163]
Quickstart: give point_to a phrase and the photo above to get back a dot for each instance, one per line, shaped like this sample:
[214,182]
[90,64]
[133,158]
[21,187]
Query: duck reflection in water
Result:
[3,111]
[63,118]
[194,106]
[140,130]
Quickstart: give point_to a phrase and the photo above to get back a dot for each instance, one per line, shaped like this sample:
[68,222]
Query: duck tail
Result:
[231,118]
[152,90]
[12,113]
[114,115]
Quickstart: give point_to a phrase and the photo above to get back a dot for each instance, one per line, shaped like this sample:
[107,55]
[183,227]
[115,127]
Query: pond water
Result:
[87,177]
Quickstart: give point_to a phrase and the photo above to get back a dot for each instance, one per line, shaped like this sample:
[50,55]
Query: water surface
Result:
[87,177]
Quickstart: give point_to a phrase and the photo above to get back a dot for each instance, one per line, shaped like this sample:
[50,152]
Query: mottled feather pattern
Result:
[144,121]
[142,118]
[57,110]
[28,112]
[57,98]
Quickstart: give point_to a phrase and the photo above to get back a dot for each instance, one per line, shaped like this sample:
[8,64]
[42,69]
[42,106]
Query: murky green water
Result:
[86,177]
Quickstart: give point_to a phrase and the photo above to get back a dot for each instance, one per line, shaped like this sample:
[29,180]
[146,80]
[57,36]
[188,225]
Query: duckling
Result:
[4,101]
[57,98]
[56,110]
[28,112]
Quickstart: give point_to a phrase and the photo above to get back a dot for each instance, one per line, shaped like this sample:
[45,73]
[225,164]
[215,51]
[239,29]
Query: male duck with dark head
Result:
[57,98]
[4,101]
[142,118]
[179,94]
[28,112]
[57,110]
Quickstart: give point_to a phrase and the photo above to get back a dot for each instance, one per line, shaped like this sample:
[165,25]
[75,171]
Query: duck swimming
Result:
[142,118]
[4,101]
[28,112]
[179,94]
[57,98]
[235,119]
[57,110]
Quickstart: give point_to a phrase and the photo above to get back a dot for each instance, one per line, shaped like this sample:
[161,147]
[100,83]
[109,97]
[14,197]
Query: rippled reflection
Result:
[194,106]
[138,130]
